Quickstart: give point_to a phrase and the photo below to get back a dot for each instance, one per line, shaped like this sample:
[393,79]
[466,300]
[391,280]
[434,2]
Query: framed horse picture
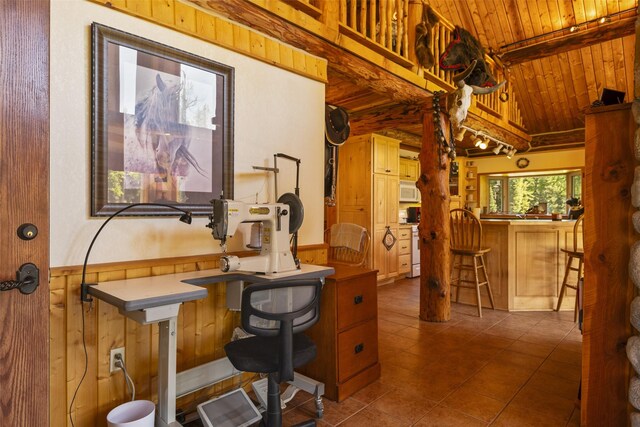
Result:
[162,126]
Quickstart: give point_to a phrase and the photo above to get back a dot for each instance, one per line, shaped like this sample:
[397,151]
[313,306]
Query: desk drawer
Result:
[404,233]
[357,300]
[404,247]
[357,349]
[404,263]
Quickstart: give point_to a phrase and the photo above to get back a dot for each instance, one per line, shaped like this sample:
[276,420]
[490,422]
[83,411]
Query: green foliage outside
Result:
[526,192]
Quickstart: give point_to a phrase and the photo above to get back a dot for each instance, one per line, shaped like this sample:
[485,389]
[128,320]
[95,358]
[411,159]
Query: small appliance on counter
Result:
[413,215]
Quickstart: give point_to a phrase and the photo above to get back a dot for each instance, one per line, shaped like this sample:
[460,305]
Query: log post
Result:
[435,300]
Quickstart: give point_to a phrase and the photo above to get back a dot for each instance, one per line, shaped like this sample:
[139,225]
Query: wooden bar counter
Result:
[526,264]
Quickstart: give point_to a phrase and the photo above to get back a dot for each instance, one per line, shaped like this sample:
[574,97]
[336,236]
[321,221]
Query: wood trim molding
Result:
[189,19]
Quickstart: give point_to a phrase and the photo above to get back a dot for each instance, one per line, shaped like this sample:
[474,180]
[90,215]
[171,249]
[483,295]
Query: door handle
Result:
[27,279]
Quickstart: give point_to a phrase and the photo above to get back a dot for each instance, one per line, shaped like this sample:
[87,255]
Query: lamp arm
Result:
[84,287]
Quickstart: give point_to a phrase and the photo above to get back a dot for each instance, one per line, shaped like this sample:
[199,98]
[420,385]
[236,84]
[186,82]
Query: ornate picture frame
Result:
[162,126]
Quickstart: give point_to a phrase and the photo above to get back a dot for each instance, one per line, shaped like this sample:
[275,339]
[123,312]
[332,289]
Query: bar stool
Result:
[466,243]
[576,252]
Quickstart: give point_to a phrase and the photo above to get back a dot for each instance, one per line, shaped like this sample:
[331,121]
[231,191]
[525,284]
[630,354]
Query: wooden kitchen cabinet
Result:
[409,169]
[386,154]
[371,199]
[404,249]
[346,334]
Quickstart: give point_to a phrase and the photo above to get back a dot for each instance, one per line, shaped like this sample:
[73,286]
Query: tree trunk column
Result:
[435,300]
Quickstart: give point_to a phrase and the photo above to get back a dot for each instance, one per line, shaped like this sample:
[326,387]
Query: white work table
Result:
[157,299]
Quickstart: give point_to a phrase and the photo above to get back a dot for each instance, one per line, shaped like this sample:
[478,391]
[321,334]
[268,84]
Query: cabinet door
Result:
[380,253]
[413,170]
[403,171]
[379,155]
[392,256]
[393,157]
[379,202]
[392,200]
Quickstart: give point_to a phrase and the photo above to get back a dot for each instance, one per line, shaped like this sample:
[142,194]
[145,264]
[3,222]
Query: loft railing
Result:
[384,23]
[388,27]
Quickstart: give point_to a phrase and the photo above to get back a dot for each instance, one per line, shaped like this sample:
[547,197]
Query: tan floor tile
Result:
[441,416]
[551,405]
[388,326]
[519,322]
[521,360]
[334,412]
[405,405]
[555,385]
[298,415]
[492,341]
[566,371]
[372,392]
[502,389]
[539,350]
[395,341]
[369,417]
[474,404]
[505,332]
[522,417]
[540,338]
[566,356]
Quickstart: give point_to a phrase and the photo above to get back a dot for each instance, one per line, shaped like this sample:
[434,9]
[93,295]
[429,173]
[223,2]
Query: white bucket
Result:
[137,413]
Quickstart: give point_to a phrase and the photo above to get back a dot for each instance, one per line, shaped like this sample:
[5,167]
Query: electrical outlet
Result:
[112,364]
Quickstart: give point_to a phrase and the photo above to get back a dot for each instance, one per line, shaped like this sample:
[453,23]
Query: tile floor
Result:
[506,369]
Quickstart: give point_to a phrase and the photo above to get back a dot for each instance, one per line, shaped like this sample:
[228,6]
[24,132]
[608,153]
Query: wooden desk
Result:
[347,333]
[157,299]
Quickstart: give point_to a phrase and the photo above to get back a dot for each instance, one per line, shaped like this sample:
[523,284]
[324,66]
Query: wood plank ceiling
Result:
[552,91]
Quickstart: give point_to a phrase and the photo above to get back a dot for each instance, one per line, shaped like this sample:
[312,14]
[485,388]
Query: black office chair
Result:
[276,313]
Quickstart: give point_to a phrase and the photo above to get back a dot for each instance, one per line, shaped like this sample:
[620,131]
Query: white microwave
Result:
[409,192]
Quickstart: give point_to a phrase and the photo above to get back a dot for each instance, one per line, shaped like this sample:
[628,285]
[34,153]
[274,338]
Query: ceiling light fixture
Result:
[482,140]
[478,142]
[604,19]
[573,28]
[497,149]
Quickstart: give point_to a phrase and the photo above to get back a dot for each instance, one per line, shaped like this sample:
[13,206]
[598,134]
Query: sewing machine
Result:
[275,254]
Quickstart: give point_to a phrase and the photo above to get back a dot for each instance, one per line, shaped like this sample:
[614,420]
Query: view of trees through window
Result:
[521,193]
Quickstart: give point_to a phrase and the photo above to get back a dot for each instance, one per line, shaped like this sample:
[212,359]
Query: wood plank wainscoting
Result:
[204,327]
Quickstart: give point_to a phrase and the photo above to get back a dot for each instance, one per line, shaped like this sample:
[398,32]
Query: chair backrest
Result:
[281,309]
[466,230]
[577,234]
[348,243]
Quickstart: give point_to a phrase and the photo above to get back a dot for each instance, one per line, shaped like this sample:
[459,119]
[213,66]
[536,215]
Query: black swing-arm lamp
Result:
[84,287]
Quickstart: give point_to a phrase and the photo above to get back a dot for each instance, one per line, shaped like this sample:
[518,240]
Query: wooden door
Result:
[24,198]
[379,149]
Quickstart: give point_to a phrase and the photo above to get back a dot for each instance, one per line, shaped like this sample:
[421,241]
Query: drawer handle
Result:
[358,299]
[358,348]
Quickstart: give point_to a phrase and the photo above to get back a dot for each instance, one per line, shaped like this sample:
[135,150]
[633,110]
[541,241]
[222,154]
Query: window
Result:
[517,193]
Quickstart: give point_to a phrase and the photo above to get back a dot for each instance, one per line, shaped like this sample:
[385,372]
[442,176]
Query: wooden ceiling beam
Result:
[571,136]
[565,43]
[377,78]
[384,117]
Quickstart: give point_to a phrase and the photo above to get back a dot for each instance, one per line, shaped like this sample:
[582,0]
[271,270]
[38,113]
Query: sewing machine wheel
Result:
[296,210]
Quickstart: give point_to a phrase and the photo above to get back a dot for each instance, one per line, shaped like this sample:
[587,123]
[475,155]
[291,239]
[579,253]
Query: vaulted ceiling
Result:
[556,73]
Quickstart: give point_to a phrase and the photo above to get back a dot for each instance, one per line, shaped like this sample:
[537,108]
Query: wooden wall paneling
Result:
[567,87]
[603,62]
[548,112]
[555,17]
[629,44]
[617,49]
[137,7]
[608,235]
[58,405]
[553,98]
[515,23]
[477,16]
[525,18]
[163,11]
[589,73]
[517,82]
[578,77]
[565,8]
[85,409]
[185,17]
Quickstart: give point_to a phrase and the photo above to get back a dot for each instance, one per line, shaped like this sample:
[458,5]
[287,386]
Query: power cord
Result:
[128,380]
